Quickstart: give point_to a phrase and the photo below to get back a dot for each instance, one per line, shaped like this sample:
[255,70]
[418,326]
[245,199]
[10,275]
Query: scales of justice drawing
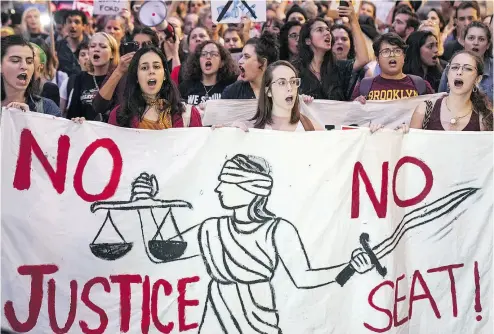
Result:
[143,202]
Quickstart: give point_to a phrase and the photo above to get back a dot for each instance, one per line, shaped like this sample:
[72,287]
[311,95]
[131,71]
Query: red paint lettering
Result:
[417,276]
[146,320]
[397,300]
[116,172]
[125,296]
[449,269]
[183,303]
[52,309]
[28,146]
[380,309]
[154,305]
[103,318]
[379,205]
[429,180]
[37,273]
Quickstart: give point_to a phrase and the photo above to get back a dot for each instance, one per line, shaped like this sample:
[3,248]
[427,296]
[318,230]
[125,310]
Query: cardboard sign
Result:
[233,11]
[109,7]
[116,230]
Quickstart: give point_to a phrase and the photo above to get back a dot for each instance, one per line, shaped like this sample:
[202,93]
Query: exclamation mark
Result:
[478,306]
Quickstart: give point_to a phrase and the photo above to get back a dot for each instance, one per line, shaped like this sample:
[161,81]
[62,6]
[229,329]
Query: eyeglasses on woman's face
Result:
[283,83]
[294,36]
[386,53]
[465,68]
[212,54]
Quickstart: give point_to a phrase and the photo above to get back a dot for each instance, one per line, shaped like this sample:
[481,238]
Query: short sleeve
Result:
[228,92]
[63,89]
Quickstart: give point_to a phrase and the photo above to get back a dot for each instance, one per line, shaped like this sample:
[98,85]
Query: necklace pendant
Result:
[206,97]
[453,121]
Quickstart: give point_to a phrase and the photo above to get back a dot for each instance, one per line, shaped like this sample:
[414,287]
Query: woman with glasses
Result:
[466,108]
[478,39]
[207,72]
[323,77]
[289,35]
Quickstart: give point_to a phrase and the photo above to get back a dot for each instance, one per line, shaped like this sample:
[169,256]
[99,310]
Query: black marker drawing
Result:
[242,251]
[144,190]
[235,11]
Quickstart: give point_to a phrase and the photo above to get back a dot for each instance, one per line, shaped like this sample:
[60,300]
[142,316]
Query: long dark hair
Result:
[264,114]
[413,62]
[481,25]
[266,47]
[284,50]
[480,101]
[134,104]
[351,52]
[16,40]
[330,80]
[192,68]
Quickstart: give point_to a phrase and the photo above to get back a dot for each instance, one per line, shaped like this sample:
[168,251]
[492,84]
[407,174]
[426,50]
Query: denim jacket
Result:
[485,84]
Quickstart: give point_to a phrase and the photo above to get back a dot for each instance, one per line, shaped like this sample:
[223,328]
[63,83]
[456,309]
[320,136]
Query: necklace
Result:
[317,74]
[95,83]
[207,91]
[454,120]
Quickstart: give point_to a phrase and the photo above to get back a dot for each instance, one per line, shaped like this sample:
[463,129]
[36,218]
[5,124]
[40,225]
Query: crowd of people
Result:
[115,69]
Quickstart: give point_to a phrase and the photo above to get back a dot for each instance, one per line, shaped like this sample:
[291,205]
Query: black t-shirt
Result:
[194,92]
[51,91]
[84,92]
[238,90]
[450,48]
[339,79]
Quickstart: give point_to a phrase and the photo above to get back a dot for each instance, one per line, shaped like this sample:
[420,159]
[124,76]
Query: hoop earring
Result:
[475,89]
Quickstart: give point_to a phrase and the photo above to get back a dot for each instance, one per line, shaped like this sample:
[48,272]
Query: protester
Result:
[466,12]
[103,58]
[436,17]
[323,77]
[391,83]
[257,54]
[17,78]
[116,27]
[342,42]
[177,25]
[50,72]
[31,25]
[478,39]
[190,22]
[194,6]
[67,87]
[368,8]
[206,21]
[278,106]
[75,24]
[152,101]
[296,13]
[434,29]
[42,86]
[405,22]
[422,58]
[466,108]
[274,26]
[233,39]
[207,72]
[289,36]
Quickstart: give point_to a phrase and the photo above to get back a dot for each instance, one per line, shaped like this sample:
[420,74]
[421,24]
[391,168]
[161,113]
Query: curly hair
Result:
[192,68]
[480,101]
[134,104]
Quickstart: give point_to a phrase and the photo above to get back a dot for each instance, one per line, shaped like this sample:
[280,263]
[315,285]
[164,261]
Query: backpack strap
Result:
[365,86]
[428,113]
[306,123]
[419,84]
[187,114]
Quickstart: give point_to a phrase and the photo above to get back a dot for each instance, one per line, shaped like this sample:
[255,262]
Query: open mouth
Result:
[214,26]
[289,99]
[392,63]
[435,59]
[242,71]
[327,40]
[96,57]
[475,49]
[72,31]
[208,65]
[23,78]
[151,82]
[339,49]
[458,83]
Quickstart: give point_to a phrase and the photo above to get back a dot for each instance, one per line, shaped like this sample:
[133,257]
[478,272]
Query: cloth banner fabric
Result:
[330,114]
[109,230]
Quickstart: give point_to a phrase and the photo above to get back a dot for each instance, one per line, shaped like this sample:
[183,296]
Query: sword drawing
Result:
[411,220]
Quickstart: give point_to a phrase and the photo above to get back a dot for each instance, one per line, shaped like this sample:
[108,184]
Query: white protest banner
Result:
[224,11]
[332,114]
[109,230]
[109,7]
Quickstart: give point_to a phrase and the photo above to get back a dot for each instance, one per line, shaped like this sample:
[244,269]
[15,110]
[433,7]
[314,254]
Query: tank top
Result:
[435,120]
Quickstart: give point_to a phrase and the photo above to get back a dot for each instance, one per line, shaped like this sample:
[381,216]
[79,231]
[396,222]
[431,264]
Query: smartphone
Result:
[344,3]
[128,47]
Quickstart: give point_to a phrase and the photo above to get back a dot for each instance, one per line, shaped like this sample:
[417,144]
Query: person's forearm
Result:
[175,60]
[361,52]
[108,88]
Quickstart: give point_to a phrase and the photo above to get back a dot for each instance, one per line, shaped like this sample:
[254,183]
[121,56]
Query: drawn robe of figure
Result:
[241,260]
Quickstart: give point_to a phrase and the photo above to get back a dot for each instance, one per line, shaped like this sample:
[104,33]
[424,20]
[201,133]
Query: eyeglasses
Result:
[212,54]
[386,53]
[293,36]
[465,68]
[283,83]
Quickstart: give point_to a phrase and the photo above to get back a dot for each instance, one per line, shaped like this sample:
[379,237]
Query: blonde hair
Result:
[115,54]
[24,29]
[123,21]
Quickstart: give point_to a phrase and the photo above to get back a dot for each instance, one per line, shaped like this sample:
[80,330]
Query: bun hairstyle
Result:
[480,101]
[266,47]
